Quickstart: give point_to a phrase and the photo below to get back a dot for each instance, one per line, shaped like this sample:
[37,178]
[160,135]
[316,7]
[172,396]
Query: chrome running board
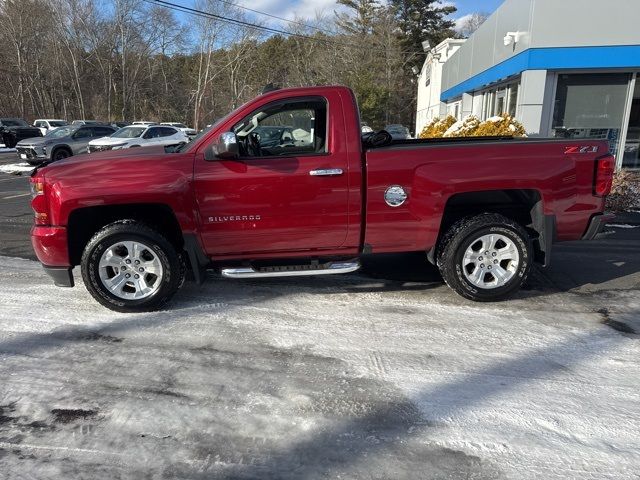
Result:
[330,268]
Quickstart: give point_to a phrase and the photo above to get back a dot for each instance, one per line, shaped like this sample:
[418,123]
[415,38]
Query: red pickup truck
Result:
[285,186]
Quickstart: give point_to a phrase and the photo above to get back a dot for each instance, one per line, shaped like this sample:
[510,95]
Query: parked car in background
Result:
[86,122]
[61,143]
[144,122]
[398,132]
[190,132]
[364,128]
[138,136]
[118,125]
[47,124]
[12,130]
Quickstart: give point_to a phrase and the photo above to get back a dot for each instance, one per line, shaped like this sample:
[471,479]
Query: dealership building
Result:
[567,69]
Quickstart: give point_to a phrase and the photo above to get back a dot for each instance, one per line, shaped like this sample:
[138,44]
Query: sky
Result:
[308,9]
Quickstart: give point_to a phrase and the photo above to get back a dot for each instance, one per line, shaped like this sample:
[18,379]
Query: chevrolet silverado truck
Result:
[482,210]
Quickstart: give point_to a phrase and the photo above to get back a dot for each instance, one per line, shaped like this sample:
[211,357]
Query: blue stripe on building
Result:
[559,58]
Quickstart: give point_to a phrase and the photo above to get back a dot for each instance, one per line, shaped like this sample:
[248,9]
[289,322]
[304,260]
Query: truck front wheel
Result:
[129,267]
[485,258]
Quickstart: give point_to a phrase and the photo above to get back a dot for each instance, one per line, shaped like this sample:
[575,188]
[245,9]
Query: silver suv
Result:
[61,143]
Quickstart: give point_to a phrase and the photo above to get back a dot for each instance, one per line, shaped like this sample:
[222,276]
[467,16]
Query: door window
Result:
[167,132]
[291,128]
[82,133]
[152,133]
[102,131]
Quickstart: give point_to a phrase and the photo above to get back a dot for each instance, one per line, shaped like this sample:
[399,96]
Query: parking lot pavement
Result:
[16,216]
[383,374]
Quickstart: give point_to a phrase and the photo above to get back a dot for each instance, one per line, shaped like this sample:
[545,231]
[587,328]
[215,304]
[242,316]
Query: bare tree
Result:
[471,23]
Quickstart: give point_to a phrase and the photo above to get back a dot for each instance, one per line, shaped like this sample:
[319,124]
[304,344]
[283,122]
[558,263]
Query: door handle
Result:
[329,172]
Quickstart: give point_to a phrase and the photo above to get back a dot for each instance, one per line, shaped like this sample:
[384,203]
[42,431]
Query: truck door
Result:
[288,190]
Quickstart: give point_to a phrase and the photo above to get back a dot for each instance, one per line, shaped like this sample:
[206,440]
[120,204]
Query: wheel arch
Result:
[62,146]
[84,222]
[524,206]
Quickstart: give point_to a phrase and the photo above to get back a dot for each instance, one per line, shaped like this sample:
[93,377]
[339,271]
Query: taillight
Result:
[605,167]
[39,201]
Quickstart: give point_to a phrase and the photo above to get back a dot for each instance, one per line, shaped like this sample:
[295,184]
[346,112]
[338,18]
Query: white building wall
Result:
[428,101]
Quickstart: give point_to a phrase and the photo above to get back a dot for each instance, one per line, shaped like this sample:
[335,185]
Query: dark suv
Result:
[12,130]
[61,143]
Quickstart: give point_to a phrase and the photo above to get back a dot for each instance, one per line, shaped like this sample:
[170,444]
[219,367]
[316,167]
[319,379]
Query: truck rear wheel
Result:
[485,258]
[129,267]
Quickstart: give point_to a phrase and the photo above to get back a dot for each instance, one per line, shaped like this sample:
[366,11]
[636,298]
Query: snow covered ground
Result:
[14,168]
[342,377]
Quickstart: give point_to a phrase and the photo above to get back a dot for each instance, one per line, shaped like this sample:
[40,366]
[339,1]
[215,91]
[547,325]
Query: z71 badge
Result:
[577,149]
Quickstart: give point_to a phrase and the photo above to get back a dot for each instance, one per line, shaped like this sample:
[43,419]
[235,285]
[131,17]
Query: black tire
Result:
[461,236]
[9,140]
[60,154]
[130,230]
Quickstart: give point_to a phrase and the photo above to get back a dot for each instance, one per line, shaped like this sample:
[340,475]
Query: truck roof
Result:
[316,90]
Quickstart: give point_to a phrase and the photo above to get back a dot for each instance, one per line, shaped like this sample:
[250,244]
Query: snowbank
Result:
[16,168]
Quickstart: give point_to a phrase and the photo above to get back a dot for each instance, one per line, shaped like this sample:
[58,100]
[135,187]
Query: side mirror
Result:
[225,148]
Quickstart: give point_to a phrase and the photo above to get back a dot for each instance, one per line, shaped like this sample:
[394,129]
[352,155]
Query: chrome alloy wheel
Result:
[490,261]
[130,270]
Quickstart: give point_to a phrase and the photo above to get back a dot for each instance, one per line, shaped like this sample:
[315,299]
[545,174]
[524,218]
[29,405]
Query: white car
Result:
[138,136]
[47,124]
[181,126]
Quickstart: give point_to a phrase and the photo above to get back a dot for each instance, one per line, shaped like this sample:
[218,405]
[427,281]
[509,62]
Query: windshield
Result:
[14,123]
[61,132]
[187,146]
[129,132]
[58,124]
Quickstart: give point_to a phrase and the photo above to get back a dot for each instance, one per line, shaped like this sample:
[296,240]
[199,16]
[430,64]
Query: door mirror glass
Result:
[227,146]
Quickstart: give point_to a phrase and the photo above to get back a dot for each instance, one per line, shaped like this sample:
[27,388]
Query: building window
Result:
[631,157]
[427,74]
[453,109]
[591,106]
[513,99]
[500,100]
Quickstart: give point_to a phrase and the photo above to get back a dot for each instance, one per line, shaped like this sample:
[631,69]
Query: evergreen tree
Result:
[421,20]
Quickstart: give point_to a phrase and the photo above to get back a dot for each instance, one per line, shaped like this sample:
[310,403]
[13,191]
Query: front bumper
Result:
[597,224]
[32,153]
[51,247]
[62,276]
[99,148]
